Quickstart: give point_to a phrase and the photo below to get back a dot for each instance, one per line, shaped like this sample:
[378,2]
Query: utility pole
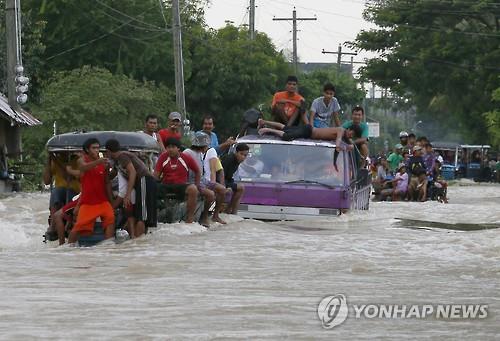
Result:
[251,20]
[294,20]
[17,83]
[179,63]
[12,50]
[339,54]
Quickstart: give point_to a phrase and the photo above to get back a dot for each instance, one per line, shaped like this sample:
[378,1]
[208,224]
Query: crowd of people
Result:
[412,171]
[82,182]
[83,190]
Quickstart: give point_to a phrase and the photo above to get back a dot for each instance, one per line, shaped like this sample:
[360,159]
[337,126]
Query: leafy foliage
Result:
[230,74]
[442,55]
[93,99]
[493,119]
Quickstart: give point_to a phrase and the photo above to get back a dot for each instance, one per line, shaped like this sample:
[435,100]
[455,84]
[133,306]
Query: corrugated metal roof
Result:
[20,117]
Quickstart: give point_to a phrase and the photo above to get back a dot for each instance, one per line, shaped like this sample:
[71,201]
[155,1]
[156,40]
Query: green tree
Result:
[229,73]
[123,36]
[493,120]
[441,55]
[93,99]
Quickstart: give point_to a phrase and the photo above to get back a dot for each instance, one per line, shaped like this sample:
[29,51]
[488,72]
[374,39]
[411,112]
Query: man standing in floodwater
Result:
[139,178]
[95,195]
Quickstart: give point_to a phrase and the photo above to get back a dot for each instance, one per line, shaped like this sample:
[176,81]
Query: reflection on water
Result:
[252,279]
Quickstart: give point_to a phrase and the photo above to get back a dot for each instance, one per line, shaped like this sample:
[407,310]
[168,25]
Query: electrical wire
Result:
[103,35]
[162,13]
[128,16]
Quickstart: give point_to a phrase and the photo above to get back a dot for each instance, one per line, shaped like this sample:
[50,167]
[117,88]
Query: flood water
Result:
[256,280]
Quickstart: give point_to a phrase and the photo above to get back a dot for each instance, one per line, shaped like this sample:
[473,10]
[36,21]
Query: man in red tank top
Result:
[95,194]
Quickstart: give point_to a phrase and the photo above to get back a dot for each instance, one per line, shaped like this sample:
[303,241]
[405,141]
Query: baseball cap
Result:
[403,134]
[399,146]
[401,165]
[174,115]
[200,139]
[417,148]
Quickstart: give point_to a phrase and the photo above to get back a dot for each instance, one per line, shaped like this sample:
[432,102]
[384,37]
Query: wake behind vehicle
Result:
[300,179]
[70,144]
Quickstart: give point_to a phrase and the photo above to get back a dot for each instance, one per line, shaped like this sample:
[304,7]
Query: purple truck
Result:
[300,179]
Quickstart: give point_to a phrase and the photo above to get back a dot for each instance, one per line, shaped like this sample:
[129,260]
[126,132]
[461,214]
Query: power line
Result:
[322,10]
[85,44]
[446,62]
[162,13]
[128,16]
[339,54]
[450,32]
[133,26]
[99,37]
[294,20]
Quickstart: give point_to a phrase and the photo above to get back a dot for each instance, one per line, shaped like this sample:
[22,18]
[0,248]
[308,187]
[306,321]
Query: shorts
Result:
[320,123]
[299,132]
[145,201]
[233,185]
[60,196]
[89,213]
[416,182]
[179,190]
[68,210]
[122,188]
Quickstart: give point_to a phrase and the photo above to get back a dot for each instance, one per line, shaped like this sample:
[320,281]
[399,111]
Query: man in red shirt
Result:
[174,128]
[288,107]
[95,195]
[172,169]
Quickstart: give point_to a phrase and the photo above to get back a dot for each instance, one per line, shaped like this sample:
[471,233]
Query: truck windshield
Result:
[283,163]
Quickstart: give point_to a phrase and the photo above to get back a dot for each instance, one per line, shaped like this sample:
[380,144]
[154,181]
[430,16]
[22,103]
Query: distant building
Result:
[11,122]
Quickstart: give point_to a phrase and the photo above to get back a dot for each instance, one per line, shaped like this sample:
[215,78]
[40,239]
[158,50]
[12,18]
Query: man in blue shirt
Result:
[361,141]
[208,127]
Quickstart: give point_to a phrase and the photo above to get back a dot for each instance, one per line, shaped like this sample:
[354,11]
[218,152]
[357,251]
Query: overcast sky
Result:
[337,21]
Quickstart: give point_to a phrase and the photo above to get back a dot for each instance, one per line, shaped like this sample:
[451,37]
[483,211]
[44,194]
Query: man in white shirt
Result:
[325,109]
[209,163]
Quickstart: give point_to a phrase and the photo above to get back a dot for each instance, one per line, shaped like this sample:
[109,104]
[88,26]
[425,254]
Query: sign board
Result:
[373,129]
